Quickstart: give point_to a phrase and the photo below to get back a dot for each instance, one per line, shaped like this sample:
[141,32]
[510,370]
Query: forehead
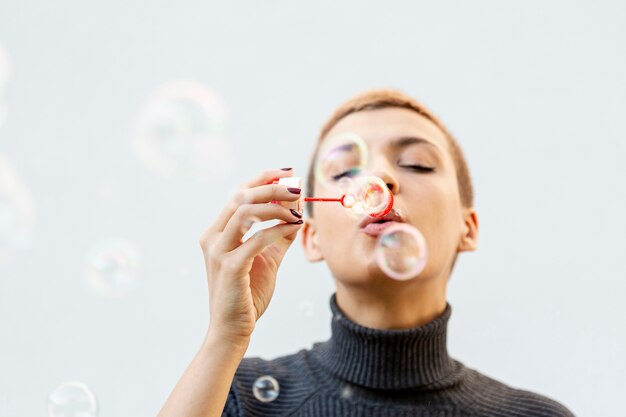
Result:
[380,127]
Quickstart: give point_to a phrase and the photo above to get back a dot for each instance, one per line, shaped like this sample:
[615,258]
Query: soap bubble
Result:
[341,155]
[180,132]
[401,251]
[265,388]
[112,267]
[72,399]
[373,197]
[17,212]
[366,196]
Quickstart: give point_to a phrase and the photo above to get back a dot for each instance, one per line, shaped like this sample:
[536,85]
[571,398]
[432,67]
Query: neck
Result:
[393,304]
[411,358]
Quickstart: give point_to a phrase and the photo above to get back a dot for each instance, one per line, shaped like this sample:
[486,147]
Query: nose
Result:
[384,172]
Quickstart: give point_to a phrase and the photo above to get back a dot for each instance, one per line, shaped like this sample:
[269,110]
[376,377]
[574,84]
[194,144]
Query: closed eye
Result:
[419,168]
[348,173]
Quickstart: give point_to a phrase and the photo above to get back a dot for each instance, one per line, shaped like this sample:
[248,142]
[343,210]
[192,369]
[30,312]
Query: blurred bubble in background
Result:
[17,213]
[180,132]
[340,156]
[112,267]
[72,399]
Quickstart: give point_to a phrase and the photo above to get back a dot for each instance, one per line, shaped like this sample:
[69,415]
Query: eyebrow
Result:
[405,141]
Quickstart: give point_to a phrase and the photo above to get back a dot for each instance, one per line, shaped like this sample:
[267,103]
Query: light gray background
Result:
[535,91]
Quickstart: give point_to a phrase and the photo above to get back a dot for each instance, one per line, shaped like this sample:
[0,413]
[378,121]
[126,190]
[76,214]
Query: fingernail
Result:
[298,222]
[286,169]
[295,213]
[294,190]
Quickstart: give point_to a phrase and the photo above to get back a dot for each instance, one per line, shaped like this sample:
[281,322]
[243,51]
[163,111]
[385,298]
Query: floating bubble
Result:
[17,212]
[112,267]
[72,399]
[401,251]
[180,132]
[265,388]
[339,156]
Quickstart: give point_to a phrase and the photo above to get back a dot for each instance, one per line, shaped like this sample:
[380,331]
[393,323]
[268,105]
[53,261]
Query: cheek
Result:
[335,227]
[432,208]
[429,196]
[442,226]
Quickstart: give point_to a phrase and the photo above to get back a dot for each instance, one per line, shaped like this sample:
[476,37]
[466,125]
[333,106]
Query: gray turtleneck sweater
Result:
[367,372]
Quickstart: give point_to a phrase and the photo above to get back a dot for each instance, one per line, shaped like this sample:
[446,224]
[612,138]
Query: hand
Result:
[242,276]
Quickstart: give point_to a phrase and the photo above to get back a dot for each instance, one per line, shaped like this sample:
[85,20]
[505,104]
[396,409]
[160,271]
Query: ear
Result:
[469,239]
[310,241]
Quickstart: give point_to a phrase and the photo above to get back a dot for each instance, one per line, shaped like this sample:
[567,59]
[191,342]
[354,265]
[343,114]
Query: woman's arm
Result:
[241,278]
[204,386]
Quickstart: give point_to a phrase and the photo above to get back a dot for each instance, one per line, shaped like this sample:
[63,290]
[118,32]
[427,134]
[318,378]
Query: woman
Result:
[387,355]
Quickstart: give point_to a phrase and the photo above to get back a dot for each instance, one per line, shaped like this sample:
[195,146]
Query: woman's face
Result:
[429,201]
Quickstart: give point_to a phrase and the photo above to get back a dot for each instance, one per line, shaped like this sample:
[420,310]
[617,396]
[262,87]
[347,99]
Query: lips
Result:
[375,229]
[375,226]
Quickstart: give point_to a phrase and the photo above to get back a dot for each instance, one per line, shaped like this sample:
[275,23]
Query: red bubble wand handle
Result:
[339,200]
[348,201]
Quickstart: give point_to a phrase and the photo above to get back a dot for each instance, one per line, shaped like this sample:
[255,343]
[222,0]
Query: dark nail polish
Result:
[298,222]
[295,213]
[286,169]
[294,190]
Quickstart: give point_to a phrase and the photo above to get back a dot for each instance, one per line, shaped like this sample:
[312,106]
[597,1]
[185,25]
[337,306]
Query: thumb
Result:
[274,241]
[281,245]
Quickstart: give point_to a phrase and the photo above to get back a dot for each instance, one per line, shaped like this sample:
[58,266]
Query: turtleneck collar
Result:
[386,359]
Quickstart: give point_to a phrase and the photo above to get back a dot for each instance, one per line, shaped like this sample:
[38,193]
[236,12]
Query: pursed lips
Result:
[375,226]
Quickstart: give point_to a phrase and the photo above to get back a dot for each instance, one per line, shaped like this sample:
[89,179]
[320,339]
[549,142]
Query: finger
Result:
[268,177]
[276,235]
[238,224]
[261,194]
[257,195]
[264,178]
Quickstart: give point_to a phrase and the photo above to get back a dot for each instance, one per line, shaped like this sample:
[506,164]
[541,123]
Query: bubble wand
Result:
[346,200]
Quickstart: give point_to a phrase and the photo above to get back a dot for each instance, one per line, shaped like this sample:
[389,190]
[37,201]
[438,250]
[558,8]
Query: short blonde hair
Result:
[383,98]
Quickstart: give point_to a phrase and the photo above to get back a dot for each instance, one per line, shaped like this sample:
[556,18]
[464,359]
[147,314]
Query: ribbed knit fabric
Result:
[367,372]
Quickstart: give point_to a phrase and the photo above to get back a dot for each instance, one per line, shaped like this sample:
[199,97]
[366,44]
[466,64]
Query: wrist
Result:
[236,344]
